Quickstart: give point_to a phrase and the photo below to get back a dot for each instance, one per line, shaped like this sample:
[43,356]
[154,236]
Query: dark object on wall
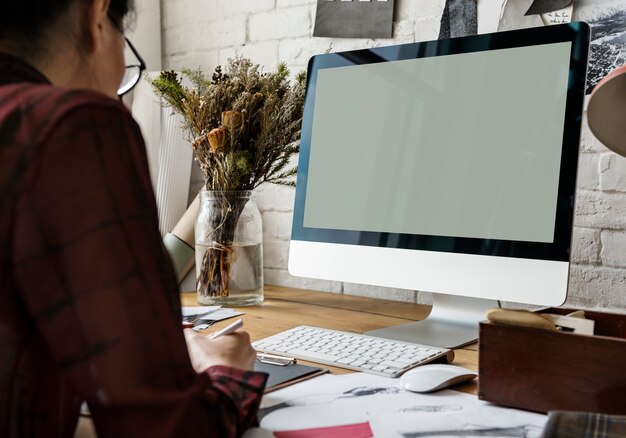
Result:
[539,370]
[354,19]
[545,6]
[459,19]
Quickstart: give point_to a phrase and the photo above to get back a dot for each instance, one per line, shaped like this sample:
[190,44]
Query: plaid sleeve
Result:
[562,424]
[97,282]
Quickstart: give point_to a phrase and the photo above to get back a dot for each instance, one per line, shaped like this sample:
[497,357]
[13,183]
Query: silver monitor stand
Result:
[452,323]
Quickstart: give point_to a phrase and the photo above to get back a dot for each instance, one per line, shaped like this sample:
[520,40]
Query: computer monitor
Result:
[444,166]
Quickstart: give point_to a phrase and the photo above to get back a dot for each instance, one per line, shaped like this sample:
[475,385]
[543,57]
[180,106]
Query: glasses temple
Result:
[142,64]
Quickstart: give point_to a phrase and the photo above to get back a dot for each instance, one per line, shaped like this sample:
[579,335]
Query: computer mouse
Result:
[429,378]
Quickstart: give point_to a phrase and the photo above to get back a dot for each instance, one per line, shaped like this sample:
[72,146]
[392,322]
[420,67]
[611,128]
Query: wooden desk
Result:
[285,308]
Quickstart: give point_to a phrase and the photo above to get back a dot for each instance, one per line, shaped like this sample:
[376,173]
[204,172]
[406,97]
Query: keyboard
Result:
[383,357]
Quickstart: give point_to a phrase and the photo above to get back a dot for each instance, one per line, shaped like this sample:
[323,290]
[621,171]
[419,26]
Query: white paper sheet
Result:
[199,310]
[560,16]
[513,16]
[333,400]
[489,14]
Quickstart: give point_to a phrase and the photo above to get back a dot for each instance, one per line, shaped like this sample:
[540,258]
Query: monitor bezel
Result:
[559,250]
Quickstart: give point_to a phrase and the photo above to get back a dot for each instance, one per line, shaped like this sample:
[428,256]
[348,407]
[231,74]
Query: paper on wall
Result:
[560,16]
[489,14]
[513,16]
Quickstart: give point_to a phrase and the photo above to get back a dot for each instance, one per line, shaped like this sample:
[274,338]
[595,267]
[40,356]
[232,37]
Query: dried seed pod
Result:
[217,139]
[232,120]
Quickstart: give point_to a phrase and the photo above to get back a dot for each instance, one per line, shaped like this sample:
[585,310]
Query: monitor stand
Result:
[452,323]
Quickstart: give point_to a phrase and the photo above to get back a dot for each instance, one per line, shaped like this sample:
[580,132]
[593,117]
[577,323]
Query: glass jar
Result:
[229,249]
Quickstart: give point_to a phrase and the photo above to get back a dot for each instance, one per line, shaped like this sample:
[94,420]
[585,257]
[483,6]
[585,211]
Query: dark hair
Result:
[24,23]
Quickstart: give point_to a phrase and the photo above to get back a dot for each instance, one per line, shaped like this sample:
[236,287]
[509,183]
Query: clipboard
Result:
[285,375]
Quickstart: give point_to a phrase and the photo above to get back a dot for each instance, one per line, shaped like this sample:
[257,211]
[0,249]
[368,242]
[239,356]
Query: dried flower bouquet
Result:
[244,127]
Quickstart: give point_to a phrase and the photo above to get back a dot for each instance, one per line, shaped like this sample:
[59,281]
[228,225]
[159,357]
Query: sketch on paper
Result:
[317,399]
[607,19]
[471,431]
[333,400]
[459,19]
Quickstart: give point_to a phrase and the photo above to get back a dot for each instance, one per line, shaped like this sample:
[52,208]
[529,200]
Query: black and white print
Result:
[607,19]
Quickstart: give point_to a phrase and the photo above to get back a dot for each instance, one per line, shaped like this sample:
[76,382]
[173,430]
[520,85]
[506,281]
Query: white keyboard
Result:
[369,354]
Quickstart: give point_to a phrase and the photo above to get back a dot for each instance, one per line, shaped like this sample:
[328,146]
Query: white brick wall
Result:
[206,33]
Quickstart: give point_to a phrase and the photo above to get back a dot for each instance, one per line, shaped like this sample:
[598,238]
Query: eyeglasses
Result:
[135,66]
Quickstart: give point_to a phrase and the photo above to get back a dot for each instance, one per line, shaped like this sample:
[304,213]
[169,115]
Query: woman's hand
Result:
[232,350]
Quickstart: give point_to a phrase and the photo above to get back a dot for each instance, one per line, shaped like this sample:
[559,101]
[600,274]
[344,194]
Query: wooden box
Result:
[541,370]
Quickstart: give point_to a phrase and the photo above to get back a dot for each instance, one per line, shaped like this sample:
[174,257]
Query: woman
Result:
[89,308]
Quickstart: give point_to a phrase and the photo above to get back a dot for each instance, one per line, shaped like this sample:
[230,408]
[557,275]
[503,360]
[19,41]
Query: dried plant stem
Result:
[213,277]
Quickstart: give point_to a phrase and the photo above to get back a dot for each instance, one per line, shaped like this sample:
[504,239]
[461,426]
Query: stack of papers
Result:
[204,317]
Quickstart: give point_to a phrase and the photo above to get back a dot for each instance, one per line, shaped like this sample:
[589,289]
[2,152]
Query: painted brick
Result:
[586,246]
[289,3]
[597,288]
[226,32]
[174,13]
[416,9]
[600,210]
[427,29]
[228,8]
[404,31]
[264,54]
[177,40]
[408,296]
[277,225]
[614,249]
[276,254]
[298,51]
[285,23]
[588,142]
[227,53]
[270,197]
[613,173]
[283,278]
[178,62]
[589,171]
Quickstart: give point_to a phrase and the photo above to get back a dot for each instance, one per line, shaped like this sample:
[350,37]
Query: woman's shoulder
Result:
[41,108]
[60,101]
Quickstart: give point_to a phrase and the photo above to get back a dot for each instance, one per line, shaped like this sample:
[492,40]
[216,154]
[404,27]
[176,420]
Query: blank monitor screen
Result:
[464,146]
[425,146]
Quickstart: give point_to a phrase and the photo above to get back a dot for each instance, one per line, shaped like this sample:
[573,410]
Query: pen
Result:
[228,330]
[274,359]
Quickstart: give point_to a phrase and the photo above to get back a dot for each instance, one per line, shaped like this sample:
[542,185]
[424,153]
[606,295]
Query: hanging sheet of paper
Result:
[356,398]
[354,19]
[607,19]
[489,14]
[544,6]
[204,317]
[560,16]
[514,16]
[460,18]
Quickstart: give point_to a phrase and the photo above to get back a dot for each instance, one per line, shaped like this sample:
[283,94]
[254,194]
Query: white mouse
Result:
[429,378]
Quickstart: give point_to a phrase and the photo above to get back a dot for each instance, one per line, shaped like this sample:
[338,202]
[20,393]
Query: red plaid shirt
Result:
[89,308]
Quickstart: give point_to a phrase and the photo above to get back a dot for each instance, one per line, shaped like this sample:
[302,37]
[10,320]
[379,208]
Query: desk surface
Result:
[285,308]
